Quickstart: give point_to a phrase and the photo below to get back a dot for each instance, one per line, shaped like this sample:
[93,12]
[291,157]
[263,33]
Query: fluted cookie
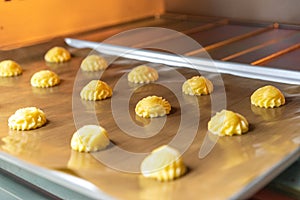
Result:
[44,79]
[57,55]
[27,118]
[93,63]
[10,68]
[90,138]
[163,164]
[267,97]
[228,123]
[152,106]
[142,74]
[197,85]
[96,90]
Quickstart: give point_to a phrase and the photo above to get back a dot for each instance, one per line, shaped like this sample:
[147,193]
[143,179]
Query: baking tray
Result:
[235,168]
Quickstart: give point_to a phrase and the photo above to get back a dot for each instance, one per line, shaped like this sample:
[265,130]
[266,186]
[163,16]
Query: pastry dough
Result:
[57,55]
[228,123]
[163,164]
[267,97]
[96,90]
[27,118]
[44,79]
[10,68]
[93,63]
[152,106]
[197,85]
[142,74]
[89,138]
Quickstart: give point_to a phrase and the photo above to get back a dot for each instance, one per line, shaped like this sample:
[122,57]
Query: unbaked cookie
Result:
[152,106]
[57,55]
[142,74]
[44,79]
[163,164]
[96,90]
[267,97]
[10,68]
[93,63]
[228,123]
[89,138]
[27,118]
[197,85]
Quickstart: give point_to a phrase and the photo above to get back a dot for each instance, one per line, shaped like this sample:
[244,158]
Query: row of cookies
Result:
[164,163]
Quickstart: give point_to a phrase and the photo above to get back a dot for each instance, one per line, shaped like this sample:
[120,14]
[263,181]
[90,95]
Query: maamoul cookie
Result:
[197,85]
[10,68]
[163,164]
[96,90]
[152,106]
[142,74]
[27,118]
[57,55]
[44,79]
[89,138]
[228,123]
[267,97]
[93,63]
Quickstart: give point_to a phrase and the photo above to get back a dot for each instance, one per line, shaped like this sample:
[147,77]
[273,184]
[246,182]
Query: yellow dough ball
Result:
[10,68]
[197,85]
[267,97]
[228,123]
[142,74]
[27,118]
[93,63]
[152,106]
[163,164]
[96,90]
[89,138]
[57,55]
[44,79]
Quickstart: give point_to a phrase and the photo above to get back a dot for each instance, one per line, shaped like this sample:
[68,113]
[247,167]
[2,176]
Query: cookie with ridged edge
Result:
[267,97]
[197,85]
[10,68]
[57,55]
[152,106]
[142,74]
[27,118]
[228,123]
[163,164]
[96,90]
[93,63]
[44,79]
[90,138]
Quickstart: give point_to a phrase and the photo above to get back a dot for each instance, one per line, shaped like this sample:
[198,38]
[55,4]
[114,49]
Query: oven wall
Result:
[24,22]
[285,11]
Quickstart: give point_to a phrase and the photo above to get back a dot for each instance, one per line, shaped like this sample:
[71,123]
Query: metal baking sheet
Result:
[235,168]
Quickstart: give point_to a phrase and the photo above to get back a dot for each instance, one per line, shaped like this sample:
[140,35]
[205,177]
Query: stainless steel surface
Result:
[205,65]
[268,10]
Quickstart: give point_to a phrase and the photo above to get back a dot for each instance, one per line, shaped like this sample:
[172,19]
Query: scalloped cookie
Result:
[10,68]
[44,79]
[89,138]
[228,123]
[197,85]
[93,63]
[142,74]
[27,118]
[152,106]
[57,55]
[96,90]
[267,97]
[163,164]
